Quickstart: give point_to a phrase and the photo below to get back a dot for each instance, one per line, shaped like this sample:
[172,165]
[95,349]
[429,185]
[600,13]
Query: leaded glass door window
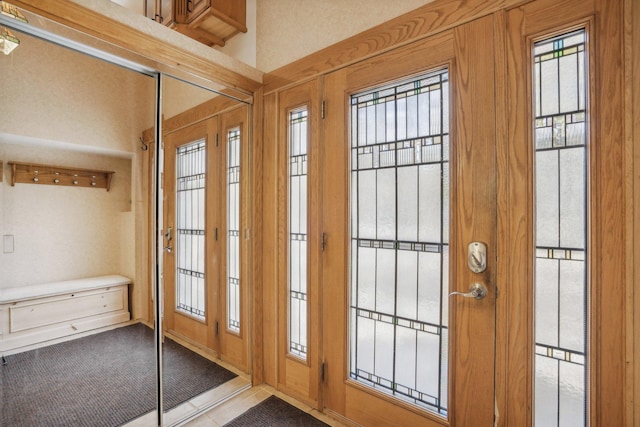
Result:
[191,180]
[560,230]
[233,229]
[399,239]
[298,140]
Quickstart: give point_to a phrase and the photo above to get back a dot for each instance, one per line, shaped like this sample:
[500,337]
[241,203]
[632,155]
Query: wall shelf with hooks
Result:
[28,173]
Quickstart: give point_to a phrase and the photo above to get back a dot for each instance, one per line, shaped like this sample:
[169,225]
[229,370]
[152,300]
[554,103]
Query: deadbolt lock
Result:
[477,257]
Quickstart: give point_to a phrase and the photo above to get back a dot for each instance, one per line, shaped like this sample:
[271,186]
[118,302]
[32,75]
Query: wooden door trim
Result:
[632,119]
[256,319]
[269,248]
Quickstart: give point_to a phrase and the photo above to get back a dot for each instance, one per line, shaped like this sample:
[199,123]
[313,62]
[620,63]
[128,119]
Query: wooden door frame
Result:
[608,260]
[296,377]
[235,347]
[463,51]
[617,344]
[632,165]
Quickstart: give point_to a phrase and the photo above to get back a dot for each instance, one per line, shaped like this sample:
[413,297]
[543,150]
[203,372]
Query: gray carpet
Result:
[275,412]
[105,379]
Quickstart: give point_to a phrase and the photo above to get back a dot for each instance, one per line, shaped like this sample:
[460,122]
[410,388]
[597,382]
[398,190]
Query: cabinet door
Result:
[194,8]
[167,13]
[164,14]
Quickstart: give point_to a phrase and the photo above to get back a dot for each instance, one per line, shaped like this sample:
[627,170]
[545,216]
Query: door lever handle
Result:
[476,290]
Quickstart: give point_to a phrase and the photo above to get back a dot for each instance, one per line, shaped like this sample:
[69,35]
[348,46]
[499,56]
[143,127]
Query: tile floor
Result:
[227,411]
[224,403]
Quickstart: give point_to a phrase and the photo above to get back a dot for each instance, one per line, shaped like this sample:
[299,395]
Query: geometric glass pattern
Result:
[398,326]
[233,229]
[560,231]
[298,140]
[190,214]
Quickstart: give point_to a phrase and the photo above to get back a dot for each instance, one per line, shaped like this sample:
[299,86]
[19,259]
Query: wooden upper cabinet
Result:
[162,12]
[211,22]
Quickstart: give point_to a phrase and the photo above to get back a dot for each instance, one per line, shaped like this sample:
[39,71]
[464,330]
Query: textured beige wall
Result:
[178,96]
[52,93]
[288,30]
[67,109]
[63,233]
[242,46]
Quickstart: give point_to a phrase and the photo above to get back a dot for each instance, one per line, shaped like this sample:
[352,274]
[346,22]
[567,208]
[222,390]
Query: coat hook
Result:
[144,147]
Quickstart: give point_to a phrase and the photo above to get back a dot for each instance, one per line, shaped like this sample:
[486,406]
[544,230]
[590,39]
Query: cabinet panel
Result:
[41,313]
[211,22]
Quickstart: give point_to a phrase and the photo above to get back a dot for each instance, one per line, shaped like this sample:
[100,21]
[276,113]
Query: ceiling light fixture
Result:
[8,41]
[12,12]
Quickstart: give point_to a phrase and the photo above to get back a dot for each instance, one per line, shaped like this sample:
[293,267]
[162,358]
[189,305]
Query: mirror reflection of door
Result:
[93,116]
[204,195]
[190,234]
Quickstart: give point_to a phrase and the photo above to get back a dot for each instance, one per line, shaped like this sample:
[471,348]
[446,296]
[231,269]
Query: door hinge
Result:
[323,244]
[322,110]
[322,372]
[217,330]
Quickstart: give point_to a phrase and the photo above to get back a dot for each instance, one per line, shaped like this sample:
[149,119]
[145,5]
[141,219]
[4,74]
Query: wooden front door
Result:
[191,256]
[409,205]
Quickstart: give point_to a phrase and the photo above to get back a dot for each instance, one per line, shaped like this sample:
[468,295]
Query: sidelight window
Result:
[233,230]
[400,239]
[561,240]
[298,160]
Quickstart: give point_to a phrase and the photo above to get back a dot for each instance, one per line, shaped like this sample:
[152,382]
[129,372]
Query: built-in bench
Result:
[38,313]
